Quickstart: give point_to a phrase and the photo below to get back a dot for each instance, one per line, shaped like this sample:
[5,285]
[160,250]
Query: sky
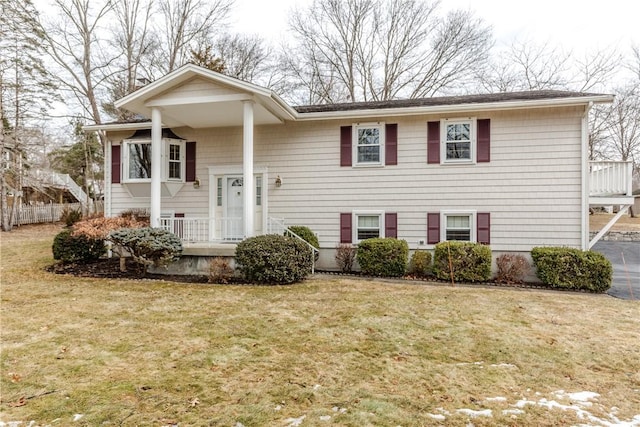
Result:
[573,25]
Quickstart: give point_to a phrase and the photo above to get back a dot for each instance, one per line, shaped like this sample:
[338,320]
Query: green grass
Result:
[362,352]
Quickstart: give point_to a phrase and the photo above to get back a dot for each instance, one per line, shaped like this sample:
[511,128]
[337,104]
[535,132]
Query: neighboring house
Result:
[507,169]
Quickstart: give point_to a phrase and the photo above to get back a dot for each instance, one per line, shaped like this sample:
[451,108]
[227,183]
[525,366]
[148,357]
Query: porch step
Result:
[209,249]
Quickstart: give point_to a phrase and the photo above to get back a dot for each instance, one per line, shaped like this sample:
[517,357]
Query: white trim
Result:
[453,108]
[354,222]
[365,113]
[584,179]
[473,141]
[198,100]
[354,144]
[472,223]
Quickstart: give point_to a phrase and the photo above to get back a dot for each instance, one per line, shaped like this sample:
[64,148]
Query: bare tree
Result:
[26,90]
[185,25]
[75,45]
[132,38]
[361,50]
[624,124]
[525,65]
[245,57]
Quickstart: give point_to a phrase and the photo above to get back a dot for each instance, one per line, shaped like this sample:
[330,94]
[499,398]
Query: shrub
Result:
[568,268]
[100,227]
[148,246]
[70,216]
[420,264]
[138,214]
[273,259]
[69,248]
[512,268]
[386,257]
[308,236]
[220,271]
[470,262]
[345,257]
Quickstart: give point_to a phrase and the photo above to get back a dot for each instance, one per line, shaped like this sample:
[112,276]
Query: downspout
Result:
[584,217]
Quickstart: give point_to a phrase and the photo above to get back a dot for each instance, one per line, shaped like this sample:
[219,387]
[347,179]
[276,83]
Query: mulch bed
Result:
[110,269]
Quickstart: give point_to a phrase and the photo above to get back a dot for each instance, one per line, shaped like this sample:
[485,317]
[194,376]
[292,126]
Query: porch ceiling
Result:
[214,114]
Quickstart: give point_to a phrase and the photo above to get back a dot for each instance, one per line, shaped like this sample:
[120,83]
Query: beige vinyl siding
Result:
[195,87]
[531,187]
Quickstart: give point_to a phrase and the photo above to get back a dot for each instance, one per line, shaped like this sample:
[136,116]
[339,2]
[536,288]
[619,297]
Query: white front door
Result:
[234,224]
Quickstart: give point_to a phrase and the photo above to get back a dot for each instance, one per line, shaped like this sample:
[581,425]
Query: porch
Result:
[610,183]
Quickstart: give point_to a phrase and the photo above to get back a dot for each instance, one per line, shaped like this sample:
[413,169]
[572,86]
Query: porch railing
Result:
[201,230]
[610,178]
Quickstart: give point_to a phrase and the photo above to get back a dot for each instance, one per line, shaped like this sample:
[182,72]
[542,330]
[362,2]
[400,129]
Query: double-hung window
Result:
[368,144]
[368,225]
[458,226]
[458,141]
[175,161]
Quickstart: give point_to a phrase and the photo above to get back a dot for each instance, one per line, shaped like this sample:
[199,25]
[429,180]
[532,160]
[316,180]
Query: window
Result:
[175,162]
[219,192]
[368,225]
[458,141]
[458,226]
[137,160]
[258,191]
[368,144]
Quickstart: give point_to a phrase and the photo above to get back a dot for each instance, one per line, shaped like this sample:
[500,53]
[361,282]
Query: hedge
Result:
[69,248]
[273,259]
[569,268]
[471,262]
[385,257]
[148,246]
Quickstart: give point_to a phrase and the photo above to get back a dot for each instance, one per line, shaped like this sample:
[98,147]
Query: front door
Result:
[234,224]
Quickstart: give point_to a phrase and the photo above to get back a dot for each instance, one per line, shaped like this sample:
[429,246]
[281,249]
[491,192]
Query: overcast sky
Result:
[576,25]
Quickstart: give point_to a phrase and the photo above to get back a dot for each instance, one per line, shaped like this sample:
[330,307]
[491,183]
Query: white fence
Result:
[36,214]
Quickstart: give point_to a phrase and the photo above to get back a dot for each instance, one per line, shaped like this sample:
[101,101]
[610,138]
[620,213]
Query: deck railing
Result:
[607,178]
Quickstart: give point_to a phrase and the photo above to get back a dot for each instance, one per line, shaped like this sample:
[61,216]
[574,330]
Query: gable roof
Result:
[197,97]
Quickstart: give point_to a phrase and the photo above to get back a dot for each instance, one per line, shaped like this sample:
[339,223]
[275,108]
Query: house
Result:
[235,160]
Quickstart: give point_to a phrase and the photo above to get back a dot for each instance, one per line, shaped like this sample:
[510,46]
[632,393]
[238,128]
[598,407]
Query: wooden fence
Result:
[48,213]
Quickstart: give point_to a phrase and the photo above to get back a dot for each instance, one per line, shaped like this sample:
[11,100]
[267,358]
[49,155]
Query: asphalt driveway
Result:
[625,257]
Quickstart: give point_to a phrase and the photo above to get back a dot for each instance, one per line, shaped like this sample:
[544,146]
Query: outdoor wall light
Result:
[196,184]
[278,181]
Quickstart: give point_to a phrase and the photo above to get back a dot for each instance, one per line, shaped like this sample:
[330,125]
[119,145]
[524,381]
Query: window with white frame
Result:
[175,161]
[137,160]
[368,225]
[368,144]
[458,140]
[458,226]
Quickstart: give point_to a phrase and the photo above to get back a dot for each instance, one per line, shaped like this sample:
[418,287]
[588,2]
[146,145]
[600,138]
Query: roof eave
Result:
[114,127]
[456,108]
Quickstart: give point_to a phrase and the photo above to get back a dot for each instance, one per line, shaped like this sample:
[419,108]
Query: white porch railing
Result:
[610,178]
[201,230]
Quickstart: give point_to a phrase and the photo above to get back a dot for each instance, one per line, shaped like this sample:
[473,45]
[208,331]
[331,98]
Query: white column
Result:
[156,165]
[247,167]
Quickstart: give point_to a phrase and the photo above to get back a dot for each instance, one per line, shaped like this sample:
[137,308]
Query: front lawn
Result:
[324,352]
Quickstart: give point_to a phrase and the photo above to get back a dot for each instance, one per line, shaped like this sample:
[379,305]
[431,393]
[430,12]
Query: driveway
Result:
[626,275]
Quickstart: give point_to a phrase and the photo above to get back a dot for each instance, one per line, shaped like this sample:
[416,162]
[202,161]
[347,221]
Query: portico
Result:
[197,98]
